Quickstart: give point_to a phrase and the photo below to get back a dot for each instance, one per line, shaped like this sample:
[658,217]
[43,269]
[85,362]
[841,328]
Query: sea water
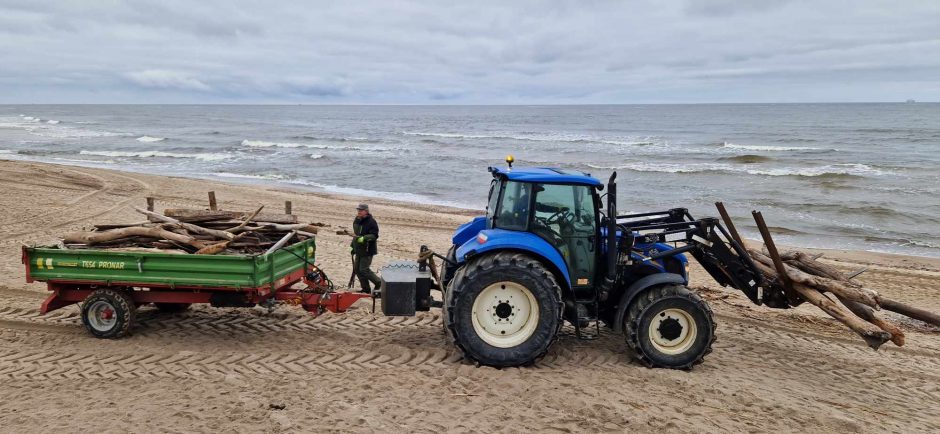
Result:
[853,176]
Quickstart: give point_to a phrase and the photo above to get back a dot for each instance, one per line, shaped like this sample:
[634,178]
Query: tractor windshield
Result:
[512,211]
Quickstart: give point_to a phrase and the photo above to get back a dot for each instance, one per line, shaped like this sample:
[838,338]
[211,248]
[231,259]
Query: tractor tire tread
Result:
[647,298]
[126,308]
[486,263]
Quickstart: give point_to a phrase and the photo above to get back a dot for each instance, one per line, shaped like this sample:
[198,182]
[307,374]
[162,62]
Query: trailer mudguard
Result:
[489,240]
[639,286]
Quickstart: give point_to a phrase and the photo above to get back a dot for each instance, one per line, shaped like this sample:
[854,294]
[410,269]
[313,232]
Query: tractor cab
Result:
[559,206]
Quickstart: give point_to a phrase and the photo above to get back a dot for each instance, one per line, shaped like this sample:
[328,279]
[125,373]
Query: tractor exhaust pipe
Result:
[611,238]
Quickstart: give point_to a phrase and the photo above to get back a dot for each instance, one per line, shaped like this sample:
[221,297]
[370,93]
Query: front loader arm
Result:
[707,241]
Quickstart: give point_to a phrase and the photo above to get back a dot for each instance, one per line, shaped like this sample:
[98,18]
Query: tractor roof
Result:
[546,174]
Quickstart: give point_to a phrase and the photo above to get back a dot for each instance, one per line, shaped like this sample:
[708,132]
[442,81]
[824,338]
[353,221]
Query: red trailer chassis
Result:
[315,298]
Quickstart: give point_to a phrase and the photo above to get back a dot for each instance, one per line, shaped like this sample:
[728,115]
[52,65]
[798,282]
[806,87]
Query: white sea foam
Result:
[832,169]
[266,144]
[148,139]
[52,122]
[727,145]
[552,137]
[158,154]
[244,176]
[316,156]
[5,151]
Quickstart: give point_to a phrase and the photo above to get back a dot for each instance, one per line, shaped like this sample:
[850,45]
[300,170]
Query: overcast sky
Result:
[500,52]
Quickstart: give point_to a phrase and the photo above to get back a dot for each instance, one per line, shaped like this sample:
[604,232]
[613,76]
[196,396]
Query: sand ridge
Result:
[251,370]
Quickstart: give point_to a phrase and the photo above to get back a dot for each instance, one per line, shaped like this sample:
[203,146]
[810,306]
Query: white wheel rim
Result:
[505,314]
[102,316]
[672,331]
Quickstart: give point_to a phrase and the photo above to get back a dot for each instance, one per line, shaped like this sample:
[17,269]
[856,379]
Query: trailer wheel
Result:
[669,327]
[108,313]
[504,309]
[172,307]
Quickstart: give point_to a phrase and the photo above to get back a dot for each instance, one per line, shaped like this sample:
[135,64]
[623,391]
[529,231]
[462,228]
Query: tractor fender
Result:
[468,230]
[491,240]
[638,287]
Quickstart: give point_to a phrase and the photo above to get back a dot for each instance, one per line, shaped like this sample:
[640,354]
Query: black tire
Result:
[108,313]
[492,273]
[172,307]
[670,306]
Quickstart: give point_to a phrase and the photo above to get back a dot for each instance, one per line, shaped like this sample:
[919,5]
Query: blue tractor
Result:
[547,252]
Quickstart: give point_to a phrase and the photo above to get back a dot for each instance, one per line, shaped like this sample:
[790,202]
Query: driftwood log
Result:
[854,305]
[92,238]
[198,215]
[206,232]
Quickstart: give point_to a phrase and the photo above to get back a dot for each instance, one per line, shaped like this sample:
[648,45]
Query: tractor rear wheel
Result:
[669,327]
[503,309]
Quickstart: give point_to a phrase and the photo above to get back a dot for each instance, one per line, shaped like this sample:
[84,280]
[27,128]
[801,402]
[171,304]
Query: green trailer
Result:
[112,284]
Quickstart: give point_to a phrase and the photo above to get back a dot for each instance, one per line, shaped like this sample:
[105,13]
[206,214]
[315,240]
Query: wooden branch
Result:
[860,295]
[868,314]
[188,226]
[872,335]
[118,226]
[266,226]
[91,238]
[232,230]
[220,247]
[856,273]
[909,311]
[201,215]
[810,265]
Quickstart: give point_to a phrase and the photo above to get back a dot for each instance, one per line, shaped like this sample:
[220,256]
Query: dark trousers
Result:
[365,274]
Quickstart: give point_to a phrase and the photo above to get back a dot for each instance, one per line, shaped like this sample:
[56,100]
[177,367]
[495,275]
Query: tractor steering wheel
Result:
[558,217]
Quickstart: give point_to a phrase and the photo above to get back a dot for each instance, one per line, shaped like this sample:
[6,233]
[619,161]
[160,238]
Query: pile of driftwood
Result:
[199,231]
[800,277]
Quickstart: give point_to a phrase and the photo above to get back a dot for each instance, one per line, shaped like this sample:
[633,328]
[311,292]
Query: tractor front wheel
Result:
[503,309]
[669,327]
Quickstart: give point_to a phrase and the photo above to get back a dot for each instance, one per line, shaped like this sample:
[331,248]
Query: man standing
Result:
[365,234]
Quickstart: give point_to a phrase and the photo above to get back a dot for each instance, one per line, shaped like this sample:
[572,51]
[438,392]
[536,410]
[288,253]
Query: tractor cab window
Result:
[566,218]
[491,203]
[513,210]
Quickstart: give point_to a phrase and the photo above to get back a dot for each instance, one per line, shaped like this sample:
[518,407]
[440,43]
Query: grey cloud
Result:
[162,79]
[480,52]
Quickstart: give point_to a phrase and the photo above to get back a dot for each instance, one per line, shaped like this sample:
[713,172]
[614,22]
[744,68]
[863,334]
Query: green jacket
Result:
[367,229]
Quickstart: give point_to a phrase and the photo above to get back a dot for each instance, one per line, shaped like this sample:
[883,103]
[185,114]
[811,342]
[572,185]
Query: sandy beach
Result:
[251,370]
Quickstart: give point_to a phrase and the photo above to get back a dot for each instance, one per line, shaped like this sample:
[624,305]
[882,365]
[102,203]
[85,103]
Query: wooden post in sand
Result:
[212,204]
[287,207]
[149,204]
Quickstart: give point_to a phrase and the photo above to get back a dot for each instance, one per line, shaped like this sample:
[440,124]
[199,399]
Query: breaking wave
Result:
[266,144]
[727,145]
[274,177]
[853,169]
[159,154]
[563,138]
[148,139]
